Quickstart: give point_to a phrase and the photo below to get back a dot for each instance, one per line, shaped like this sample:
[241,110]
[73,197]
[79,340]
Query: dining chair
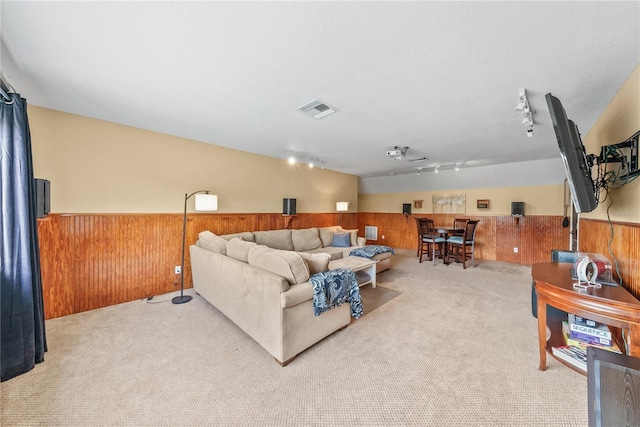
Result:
[418,221]
[459,223]
[462,247]
[430,240]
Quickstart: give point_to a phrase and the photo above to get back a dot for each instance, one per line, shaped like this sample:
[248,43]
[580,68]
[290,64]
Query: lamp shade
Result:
[342,206]
[206,202]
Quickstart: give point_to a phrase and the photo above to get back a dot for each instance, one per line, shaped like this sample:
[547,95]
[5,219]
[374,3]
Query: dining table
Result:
[445,232]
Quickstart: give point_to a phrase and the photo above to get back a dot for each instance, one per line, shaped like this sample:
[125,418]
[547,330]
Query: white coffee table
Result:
[357,263]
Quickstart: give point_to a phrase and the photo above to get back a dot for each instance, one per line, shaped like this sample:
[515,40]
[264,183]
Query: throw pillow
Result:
[341,240]
[317,263]
[208,245]
[239,249]
[353,234]
[247,236]
[287,264]
[210,241]
[326,235]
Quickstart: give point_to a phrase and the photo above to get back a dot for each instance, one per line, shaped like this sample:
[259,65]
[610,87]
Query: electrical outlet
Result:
[178,269]
[383,237]
[515,250]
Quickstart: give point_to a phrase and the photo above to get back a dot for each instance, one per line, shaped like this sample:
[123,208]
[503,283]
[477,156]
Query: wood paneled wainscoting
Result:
[95,260]
[625,245]
[496,235]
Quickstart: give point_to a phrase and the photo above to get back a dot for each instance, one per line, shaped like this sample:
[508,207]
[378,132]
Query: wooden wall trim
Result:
[95,260]
[496,235]
[624,249]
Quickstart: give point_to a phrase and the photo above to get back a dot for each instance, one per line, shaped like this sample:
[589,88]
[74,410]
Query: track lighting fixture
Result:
[527,113]
[436,168]
[293,158]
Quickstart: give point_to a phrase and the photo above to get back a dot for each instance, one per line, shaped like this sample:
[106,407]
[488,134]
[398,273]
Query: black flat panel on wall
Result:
[406,208]
[288,206]
[517,208]
[43,197]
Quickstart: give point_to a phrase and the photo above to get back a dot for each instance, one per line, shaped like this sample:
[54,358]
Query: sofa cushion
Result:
[247,236]
[210,241]
[335,253]
[317,263]
[341,240]
[353,234]
[287,264]
[326,235]
[239,249]
[276,239]
[305,239]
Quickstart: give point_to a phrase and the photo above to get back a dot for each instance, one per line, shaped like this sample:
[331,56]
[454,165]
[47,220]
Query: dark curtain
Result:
[22,335]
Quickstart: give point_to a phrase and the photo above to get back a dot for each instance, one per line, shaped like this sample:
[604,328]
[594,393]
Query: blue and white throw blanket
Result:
[370,251]
[334,287]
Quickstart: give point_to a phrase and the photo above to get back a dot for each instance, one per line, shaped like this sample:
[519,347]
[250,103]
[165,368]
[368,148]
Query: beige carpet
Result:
[454,348]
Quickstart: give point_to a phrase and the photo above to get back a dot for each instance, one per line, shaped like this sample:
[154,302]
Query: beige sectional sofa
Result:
[260,281]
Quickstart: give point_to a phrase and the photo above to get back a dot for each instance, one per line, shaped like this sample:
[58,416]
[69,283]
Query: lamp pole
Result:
[185,298]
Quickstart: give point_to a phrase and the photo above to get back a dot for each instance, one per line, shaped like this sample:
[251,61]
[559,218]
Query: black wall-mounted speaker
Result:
[288,206]
[517,208]
[406,208]
[43,197]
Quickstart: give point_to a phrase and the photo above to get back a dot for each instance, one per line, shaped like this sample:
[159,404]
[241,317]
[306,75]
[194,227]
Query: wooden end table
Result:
[611,305]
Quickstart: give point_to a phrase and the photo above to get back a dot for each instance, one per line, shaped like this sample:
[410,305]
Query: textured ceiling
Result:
[439,77]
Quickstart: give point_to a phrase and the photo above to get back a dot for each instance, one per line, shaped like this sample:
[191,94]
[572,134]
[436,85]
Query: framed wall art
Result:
[483,203]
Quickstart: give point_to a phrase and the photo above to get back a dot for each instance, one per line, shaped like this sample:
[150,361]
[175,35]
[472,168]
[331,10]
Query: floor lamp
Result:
[204,202]
[342,207]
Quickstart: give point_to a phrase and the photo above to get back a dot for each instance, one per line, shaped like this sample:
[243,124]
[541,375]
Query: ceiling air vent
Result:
[317,109]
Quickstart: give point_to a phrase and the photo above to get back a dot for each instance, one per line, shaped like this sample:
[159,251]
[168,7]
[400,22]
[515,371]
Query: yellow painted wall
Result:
[101,167]
[541,200]
[619,121]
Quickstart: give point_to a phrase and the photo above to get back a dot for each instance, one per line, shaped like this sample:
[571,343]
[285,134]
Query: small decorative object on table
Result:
[591,271]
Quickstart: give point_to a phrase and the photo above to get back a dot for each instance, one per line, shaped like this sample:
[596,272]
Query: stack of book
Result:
[579,333]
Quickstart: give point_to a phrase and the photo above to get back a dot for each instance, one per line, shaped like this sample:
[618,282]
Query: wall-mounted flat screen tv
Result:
[573,156]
